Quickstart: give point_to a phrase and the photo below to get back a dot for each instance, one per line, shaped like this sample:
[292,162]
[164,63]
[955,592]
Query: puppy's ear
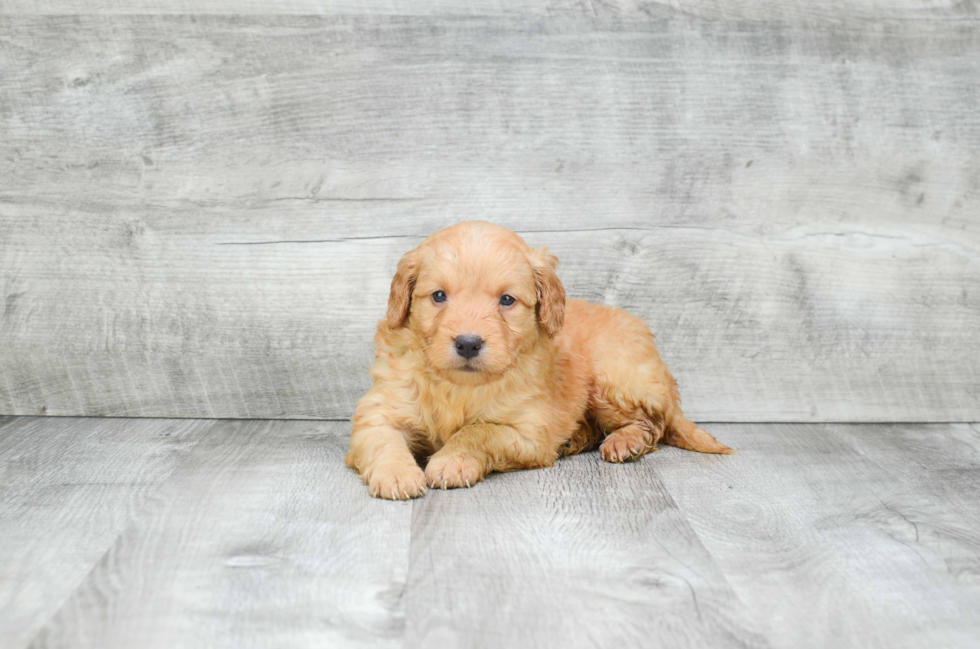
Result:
[402,285]
[551,293]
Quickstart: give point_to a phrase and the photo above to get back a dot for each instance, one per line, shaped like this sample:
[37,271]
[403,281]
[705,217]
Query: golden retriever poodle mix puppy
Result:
[482,365]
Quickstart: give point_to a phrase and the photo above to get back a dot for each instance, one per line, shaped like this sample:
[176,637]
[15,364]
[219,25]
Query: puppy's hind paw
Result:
[398,482]
[452,470]
[619,447]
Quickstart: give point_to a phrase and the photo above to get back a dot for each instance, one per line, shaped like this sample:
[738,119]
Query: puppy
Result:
[482,365]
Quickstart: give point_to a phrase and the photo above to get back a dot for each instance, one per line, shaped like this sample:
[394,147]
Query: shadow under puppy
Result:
[483,364]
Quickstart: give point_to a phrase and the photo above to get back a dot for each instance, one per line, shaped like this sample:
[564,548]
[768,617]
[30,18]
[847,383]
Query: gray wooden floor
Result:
[195,533]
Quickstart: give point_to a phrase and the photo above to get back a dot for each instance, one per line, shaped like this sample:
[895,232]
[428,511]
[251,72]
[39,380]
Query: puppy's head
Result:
[478,297]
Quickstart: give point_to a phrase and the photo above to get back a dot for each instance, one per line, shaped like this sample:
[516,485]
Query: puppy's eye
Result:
[439,296]
[507,300]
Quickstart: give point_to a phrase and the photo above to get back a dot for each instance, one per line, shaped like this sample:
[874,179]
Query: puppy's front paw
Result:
[397,482]
[451,470]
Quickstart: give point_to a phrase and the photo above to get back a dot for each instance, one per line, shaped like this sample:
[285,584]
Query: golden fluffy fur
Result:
[553,377]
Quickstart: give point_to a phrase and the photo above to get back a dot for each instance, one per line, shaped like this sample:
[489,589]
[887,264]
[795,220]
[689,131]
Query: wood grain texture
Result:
[68,489]
[262,538]
[300,7]
[582,554]
[773,11]
[831,11]
[256,535]
[201,217]
[822,528]
[939,463]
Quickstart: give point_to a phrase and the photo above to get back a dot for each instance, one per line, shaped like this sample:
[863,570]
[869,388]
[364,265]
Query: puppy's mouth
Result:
[470,366]
[470,373]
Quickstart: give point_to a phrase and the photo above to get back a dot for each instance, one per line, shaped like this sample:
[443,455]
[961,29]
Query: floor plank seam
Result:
[70,595]
[408,572]
[127,528]
[697,535]
[899,478]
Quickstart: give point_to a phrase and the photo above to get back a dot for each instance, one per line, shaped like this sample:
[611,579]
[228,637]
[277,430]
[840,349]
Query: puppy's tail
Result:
[682,433]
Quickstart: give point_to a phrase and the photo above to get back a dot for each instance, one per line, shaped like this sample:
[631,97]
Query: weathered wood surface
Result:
[582,554]
[68,488]
[822,528]
[200,216]
[940,463]
[305,7]
[832,11]
[254,534]
[262,538]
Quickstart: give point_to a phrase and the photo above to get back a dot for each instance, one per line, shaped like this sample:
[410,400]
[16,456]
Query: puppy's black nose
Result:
[468,346]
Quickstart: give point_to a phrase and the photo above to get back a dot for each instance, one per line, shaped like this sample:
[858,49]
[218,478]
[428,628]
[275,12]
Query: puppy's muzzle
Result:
[468,346]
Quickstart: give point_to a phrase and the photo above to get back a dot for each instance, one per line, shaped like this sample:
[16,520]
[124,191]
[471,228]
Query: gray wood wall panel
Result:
[830,11]
[310,7]
[200,217]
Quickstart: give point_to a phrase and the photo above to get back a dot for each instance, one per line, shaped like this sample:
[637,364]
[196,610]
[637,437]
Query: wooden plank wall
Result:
[200,214]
